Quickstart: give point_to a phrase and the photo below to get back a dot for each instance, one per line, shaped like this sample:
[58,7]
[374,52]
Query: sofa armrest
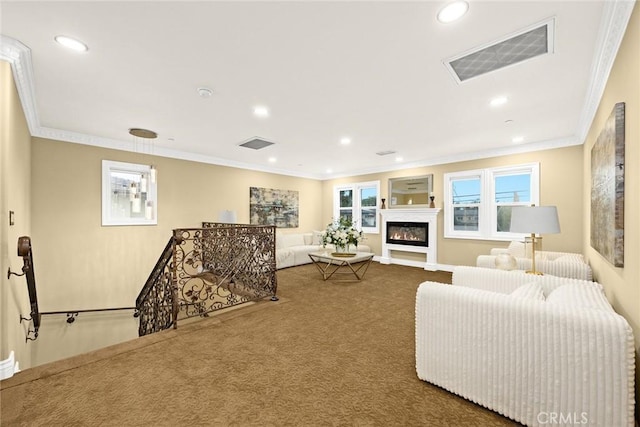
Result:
[522,358]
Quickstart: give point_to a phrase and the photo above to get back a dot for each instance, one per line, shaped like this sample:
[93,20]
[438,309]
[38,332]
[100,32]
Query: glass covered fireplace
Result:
[408,233]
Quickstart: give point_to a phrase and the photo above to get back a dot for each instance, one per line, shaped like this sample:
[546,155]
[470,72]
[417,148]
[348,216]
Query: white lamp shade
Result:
[534,219]
[227,217]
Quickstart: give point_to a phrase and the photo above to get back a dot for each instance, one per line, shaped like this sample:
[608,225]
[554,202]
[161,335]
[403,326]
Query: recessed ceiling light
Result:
[399,159]
[261,111]
[345,141]
[517,139]
[272,159]
[71,43]
[329,170]
[498,100]
[453,11]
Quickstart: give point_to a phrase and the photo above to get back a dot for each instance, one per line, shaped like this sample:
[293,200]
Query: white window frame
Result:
[356,207]
[149,217]
[487,209]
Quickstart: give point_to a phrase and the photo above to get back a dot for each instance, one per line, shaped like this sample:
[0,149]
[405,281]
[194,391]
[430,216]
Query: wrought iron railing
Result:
[25,251]
[155,304]
[222,265]
[202,270]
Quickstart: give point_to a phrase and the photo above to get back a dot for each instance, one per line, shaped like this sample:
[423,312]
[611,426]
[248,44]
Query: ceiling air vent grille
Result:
[385,153]
[526,44]
[256,143]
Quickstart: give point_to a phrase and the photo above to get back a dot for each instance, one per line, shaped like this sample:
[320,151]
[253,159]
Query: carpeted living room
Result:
[274,149]
[326,353]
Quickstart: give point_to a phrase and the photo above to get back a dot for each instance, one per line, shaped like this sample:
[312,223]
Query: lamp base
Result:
[537,273]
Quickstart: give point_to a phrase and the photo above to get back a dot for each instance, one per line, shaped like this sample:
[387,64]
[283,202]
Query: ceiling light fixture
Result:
[261,111]
[71,43]
[517,139]
[399,159]
[272,159]
[453,11]
[345,141]
[145,134]
[498,100]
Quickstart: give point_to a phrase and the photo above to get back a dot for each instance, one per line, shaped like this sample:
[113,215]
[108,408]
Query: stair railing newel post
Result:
[177,240]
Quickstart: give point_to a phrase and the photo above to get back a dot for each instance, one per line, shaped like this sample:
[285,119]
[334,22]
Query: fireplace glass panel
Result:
[408,233]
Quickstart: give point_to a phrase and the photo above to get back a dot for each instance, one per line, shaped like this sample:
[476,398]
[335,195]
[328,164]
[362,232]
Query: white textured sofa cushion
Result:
[530,291]
[296,239]
[580,296]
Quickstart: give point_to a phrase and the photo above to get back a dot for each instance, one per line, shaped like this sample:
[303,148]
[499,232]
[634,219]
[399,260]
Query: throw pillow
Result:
[530,291]
[517,249]
[506,262]
[580,295]
[308,238]
[317,237]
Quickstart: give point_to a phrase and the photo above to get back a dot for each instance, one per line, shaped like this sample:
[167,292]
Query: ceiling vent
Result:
[256,143]
[385,153]
[515,48]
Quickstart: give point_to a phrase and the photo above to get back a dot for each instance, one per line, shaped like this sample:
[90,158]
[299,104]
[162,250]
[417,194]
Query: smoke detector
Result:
[205,92]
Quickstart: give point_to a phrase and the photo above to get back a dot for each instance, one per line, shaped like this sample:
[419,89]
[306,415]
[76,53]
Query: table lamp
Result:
[534,220]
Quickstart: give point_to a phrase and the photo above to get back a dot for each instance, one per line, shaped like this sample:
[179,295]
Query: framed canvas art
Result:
[268,206]
[607,188]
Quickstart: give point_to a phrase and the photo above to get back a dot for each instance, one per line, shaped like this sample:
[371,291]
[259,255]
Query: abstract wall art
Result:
[268,206]
[607,189]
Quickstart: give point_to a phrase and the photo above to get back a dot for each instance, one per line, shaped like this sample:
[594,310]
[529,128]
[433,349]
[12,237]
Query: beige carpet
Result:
[327,354]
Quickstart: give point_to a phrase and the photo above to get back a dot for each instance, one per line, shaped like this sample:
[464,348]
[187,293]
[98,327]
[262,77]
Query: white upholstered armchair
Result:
[528,347]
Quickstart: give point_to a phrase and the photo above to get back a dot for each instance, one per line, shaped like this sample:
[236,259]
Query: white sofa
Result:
[294,248]
[562,264]
[533,348]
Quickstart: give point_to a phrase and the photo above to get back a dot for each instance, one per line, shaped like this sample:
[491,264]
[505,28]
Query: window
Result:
[358,203]
[478,203]
[129,194]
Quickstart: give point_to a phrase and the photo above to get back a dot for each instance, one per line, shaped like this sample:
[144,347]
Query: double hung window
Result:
[358,203]
[478,203]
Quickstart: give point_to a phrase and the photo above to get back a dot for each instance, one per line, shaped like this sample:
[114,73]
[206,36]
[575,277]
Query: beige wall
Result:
[80,264]
[560,184]
[622,285]
[15,184]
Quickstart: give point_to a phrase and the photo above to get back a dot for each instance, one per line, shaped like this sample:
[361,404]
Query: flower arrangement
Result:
[341,234]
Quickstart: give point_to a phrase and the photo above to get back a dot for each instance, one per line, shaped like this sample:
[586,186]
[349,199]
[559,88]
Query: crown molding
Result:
[19,56]
[115,144]
[613,25]
[463,157]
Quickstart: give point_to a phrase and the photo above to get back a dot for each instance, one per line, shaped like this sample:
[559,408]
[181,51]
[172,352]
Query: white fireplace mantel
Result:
[429,215]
